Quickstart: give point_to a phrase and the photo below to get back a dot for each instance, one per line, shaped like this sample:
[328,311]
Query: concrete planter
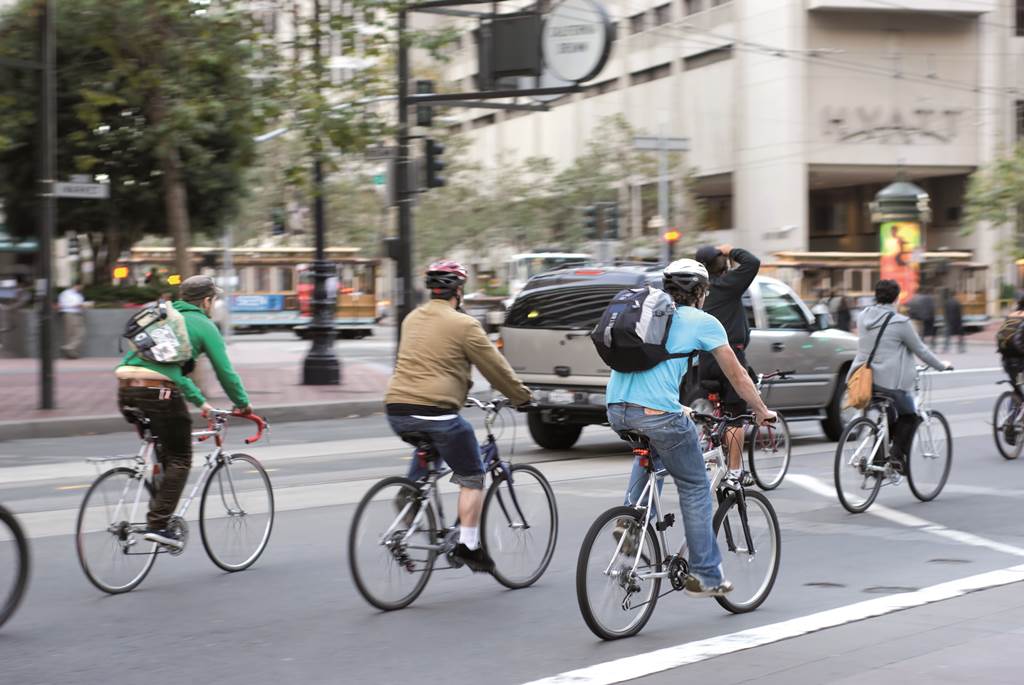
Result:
[103,328]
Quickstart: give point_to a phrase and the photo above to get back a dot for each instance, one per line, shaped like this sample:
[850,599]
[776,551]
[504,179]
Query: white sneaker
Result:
[163,537]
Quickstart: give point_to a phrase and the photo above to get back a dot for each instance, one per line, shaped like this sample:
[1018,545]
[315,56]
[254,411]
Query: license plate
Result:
[561,397]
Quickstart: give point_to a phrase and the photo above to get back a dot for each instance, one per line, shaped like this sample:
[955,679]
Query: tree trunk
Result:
[176,208]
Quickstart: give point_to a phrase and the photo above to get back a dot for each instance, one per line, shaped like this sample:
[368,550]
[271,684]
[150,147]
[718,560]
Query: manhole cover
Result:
[949,561]
[824,584]
[889,589]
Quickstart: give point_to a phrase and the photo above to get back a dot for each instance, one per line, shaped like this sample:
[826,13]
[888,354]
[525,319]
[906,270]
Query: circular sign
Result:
[576,40]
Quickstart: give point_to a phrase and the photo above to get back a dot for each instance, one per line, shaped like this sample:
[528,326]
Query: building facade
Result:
[797,112]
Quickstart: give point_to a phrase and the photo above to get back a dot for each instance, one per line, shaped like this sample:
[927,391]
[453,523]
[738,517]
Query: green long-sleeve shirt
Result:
[205,339]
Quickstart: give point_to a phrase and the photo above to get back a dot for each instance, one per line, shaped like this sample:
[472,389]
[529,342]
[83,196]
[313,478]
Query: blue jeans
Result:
[455,441]
[674,439]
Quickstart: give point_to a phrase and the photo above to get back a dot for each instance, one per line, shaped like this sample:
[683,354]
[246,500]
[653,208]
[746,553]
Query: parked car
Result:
[545,338]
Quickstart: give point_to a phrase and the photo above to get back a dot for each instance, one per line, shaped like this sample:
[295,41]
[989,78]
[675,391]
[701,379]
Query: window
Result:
[703,59]
[480,122]
[692,6]
[574,308]
[652,74]
[287,279]
[780,309]
[601,88]
[662,15]
[748,309]
[262,279]
[1020,18]
[636,23]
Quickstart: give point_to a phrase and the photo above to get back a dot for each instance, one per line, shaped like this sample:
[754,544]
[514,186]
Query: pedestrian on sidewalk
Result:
[70,304]
[921,309]
[953,316]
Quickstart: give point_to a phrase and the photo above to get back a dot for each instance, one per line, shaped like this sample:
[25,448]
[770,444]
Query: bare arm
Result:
[737,375]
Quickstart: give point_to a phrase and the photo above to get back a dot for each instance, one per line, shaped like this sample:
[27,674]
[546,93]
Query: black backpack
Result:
[633,330]
[1010,337]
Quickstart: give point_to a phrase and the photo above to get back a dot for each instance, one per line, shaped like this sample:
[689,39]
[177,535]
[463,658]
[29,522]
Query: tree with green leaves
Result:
[995,195]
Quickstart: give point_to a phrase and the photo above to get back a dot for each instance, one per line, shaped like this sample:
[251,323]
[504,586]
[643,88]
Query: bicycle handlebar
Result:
[218,418]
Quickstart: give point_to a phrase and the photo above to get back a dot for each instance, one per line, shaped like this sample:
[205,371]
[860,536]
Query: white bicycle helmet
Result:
[685,275]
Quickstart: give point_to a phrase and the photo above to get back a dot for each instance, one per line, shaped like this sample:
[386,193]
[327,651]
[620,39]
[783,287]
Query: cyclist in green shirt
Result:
[159,392]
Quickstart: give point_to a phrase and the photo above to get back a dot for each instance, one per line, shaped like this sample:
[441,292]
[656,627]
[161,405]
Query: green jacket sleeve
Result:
[191,391]
[213,346]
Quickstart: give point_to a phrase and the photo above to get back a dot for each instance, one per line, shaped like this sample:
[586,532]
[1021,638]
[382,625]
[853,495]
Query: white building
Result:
[798,111]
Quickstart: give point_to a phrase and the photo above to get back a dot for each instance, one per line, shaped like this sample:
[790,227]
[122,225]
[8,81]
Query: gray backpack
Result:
[158,333]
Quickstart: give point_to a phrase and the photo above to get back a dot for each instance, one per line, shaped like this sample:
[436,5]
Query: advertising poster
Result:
[901,255]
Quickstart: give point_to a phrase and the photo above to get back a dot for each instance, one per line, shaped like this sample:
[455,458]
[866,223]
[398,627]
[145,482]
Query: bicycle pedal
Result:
[666,523]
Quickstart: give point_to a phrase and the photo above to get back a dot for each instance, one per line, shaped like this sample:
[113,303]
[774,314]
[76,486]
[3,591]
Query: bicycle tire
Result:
[79,535]
[357,575]
[505,508]
[11,599]
[204,523]
[916,486]
[583,597]
[769,478]
[1000,427]
[851,431]
[775,535]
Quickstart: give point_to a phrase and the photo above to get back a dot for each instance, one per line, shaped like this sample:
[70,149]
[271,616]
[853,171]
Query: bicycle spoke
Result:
[237,513]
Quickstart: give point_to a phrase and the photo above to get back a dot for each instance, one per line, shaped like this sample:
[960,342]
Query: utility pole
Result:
[405,292]
[321,366]
[48,201]
[662,146]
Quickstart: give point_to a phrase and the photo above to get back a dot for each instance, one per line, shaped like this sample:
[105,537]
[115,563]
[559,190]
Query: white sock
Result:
[735,473]
[470,537]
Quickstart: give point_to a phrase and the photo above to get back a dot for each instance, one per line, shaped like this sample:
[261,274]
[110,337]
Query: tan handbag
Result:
[859,384]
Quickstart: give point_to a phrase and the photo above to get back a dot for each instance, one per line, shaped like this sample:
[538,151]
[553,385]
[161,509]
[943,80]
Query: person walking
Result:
[953,316]
[843,316]
[71,305]
[922,312]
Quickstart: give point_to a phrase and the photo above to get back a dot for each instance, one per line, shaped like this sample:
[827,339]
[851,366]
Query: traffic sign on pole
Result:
[82,191]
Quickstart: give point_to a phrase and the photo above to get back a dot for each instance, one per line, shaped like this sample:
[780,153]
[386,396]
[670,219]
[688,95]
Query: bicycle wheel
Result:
[931,456]
[14,564]
[768,449]
[1006,424]
[857,487]
[236,513]
[614,601]
[389,566]
[109,543]
[519,526]
[751,563]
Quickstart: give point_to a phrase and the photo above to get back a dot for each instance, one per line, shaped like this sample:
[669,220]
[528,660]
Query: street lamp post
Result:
[321,366]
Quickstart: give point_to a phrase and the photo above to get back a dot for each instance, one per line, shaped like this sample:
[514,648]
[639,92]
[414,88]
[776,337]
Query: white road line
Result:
[904,519]
[641,665]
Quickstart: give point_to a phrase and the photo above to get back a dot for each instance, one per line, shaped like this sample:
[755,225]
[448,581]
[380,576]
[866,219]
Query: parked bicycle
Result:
[14,564]
[236,510]
[399,528]
[618,577]
[1008,421]
[863,462]
[768,447]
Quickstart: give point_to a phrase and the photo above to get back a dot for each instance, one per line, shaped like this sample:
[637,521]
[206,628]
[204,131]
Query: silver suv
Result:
[545,338]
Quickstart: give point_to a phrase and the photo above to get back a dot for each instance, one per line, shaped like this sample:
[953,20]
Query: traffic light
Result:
[611,221]
[435,165]
[424,113]
[671,237]
[590,222]
[73,247]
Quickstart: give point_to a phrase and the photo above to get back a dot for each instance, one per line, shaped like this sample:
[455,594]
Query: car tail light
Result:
[499,343]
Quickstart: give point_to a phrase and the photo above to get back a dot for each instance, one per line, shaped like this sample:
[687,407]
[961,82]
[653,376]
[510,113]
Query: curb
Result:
[96,425]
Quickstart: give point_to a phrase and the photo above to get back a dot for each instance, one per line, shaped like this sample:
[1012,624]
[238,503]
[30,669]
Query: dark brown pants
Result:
[170,423]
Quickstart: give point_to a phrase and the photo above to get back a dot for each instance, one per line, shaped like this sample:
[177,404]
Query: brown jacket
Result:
[438,346]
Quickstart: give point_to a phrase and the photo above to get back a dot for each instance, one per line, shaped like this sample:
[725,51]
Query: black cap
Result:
[197,288]
[706,253]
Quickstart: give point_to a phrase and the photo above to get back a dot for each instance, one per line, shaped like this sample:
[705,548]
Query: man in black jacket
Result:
[725,303]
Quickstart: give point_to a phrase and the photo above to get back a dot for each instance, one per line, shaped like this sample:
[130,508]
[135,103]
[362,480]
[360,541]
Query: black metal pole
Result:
[404,286]
[321,366]
[48,203]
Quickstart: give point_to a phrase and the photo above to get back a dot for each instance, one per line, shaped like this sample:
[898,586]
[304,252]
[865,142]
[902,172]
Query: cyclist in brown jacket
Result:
[439,346]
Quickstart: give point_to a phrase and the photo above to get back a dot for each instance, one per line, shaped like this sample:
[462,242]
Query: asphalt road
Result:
[296,617]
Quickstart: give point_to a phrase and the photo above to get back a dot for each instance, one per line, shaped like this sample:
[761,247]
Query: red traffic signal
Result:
[671,236]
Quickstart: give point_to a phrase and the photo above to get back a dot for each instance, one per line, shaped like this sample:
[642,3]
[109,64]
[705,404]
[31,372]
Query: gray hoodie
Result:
[893,367]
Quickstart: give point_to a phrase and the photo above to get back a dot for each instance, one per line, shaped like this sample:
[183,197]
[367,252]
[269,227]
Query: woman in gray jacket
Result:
[893,365]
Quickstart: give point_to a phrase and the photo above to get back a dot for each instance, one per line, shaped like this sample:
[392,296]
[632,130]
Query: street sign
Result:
[82,191]
[576,40]
[657,143]
[380,152]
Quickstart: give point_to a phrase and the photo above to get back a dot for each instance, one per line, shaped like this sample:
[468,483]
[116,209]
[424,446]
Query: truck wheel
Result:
[836,417]
[552,436]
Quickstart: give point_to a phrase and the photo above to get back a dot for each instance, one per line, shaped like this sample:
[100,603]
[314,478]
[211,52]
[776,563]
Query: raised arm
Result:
[740,278]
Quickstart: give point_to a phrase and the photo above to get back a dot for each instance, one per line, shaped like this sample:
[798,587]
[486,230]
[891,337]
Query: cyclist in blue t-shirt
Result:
[648,402]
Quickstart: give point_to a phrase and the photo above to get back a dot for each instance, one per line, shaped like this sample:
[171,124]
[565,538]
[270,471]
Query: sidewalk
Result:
[86,394]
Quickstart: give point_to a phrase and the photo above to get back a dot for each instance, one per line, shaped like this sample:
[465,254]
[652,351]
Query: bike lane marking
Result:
[657,661]
[909,520]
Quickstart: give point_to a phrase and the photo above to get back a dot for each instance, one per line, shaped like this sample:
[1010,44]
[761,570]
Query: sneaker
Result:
[162,536]
[695,588]
[476,559]
[629,546]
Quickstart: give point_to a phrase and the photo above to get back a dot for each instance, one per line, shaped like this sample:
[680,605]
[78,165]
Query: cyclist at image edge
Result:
[725,303]
[648,402]
[160,390]
[892,369]
[439,343]
[1010,344]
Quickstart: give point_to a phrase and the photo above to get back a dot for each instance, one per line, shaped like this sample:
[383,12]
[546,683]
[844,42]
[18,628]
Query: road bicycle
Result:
[14,564]
[236,510]
[864,463]
[399,529]
[768,446]
[624,556]
[1008,420]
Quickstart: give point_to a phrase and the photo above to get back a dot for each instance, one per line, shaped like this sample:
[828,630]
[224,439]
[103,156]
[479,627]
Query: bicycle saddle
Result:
[133,415]
[711,386]
[417,438]
[634,437]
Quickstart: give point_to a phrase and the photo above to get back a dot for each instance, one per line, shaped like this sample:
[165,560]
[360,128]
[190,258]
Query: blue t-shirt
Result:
[658,388]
